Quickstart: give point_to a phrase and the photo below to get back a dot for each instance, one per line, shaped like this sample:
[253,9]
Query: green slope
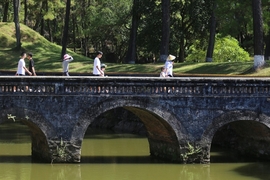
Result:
[46,54]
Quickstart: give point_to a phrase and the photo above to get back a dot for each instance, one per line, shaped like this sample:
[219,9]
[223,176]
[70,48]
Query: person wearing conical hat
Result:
[169,66]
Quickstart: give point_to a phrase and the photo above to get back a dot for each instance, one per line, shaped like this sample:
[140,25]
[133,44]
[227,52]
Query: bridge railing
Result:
[195,86]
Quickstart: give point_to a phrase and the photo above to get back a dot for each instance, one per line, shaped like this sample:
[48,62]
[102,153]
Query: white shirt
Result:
[65,64]
[162,74]
[169,67]
[21,65]
[96,63]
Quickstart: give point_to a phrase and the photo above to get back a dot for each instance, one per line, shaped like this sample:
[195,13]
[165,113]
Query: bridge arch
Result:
[252,133]
[163,129]
[40,130]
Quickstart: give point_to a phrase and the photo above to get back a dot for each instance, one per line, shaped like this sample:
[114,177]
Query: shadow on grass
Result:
[222,68]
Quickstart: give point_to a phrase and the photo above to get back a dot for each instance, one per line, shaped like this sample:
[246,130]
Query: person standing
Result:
[97,66]
[21,66]
[66,60]
[31,66]
[169,66]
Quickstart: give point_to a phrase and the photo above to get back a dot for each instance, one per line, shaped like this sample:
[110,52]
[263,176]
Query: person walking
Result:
[162,72]
[21,72]
[66,60]
[102,68]
[169,66]
[97,66]
[21,66]
[31,66]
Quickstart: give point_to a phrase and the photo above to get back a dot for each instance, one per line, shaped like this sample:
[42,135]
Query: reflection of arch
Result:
[39,127]
[231,117]
[164,130]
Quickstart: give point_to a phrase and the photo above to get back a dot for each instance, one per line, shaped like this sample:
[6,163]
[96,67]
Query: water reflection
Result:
[110,156]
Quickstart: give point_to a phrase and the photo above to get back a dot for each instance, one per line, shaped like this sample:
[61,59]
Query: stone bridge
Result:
[181,115]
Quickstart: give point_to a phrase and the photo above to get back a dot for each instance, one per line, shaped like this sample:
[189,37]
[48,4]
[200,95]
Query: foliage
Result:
[226,49]
[191,150]
[10,116]
[105,25]
[60,151]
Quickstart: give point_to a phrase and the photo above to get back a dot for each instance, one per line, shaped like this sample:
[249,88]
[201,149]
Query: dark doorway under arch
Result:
[241,141]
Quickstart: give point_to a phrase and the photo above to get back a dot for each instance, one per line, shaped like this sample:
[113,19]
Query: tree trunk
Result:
[267,47]
[66,28]
[74,32]
[258,34]
[211,43]
[165,37]
[182,50]
[49,30]
[16,5]
[131,53]
[42,31]
[5,15]
[38,17]
[25,12]
[48,23]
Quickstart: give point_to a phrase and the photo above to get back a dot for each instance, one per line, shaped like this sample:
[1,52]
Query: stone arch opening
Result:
[38,128]
[245,133]
[163,129]
[250,139]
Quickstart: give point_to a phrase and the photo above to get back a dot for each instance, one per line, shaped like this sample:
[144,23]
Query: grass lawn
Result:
[47,59]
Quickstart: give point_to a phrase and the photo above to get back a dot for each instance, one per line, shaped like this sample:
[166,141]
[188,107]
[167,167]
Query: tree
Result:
[6,9]
[16,6]
[235,19]
[25,12]
[211,43]
[66,28]
[227,49]
[258,34]
[189,23]
[131,53]
[165,37]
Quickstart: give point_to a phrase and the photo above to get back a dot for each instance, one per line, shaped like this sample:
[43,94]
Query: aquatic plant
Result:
[9,116]
[191,150]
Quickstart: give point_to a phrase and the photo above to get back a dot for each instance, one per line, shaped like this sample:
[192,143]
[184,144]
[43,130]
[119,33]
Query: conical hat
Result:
[171,57]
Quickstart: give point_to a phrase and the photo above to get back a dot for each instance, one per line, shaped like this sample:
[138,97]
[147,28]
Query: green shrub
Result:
[226,49]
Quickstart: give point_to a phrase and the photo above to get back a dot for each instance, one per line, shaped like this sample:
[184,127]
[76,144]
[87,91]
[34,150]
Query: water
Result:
[110,156]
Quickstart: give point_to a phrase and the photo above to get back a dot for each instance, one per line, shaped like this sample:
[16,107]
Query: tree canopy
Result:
[106,25]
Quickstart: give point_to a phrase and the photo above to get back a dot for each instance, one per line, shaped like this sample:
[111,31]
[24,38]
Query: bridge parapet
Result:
[205,86]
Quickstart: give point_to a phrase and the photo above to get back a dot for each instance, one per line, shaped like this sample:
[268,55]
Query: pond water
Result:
[115,156]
